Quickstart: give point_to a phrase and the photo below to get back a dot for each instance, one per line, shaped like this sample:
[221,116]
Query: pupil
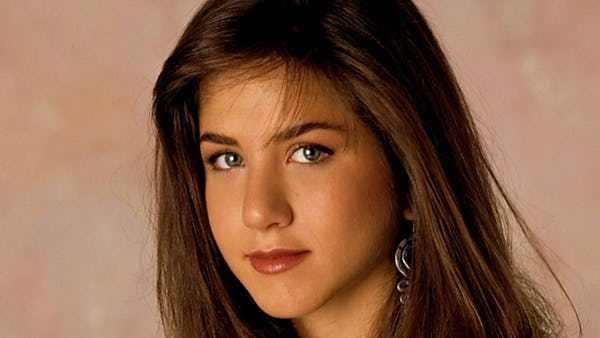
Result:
[309,153]
[228,158]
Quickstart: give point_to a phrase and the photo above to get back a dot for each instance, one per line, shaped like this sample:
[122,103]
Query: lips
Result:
[276,261]
[274,253]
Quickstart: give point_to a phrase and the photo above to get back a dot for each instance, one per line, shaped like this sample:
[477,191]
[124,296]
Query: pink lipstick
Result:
[277,260]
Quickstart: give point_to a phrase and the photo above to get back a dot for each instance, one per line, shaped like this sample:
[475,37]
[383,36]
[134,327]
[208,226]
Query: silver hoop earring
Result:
[403,266]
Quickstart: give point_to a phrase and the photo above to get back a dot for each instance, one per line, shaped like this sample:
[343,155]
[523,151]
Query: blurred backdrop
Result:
[76,246]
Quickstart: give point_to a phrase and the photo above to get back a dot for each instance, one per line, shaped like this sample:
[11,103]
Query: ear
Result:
[408,211]
[408,214]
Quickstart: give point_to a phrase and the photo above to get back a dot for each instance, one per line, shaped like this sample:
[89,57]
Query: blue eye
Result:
[229,158]
[312,152]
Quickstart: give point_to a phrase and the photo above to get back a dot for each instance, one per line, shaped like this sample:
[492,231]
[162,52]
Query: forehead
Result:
[272,101]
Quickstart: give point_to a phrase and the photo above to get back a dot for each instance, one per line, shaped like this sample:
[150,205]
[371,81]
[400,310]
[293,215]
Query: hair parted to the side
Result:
[383,59]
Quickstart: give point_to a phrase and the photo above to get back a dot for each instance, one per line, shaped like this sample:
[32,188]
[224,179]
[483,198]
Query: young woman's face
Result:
[308,192]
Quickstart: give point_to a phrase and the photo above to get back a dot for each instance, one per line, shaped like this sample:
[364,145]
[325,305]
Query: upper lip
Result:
[277,252]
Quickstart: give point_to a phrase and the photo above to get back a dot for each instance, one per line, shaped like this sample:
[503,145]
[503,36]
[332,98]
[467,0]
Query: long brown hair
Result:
[382,57]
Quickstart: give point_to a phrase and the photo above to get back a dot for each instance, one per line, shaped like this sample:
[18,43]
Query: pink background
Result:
[76,252]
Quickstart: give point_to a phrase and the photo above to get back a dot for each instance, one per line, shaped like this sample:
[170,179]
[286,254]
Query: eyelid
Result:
[212,159]
[323,149]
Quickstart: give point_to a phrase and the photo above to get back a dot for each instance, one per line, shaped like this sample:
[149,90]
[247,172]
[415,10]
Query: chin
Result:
[283,307]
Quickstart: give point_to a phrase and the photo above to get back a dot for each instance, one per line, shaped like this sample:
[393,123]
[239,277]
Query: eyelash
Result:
[320,148]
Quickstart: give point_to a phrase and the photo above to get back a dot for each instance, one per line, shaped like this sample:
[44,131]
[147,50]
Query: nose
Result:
[265,203]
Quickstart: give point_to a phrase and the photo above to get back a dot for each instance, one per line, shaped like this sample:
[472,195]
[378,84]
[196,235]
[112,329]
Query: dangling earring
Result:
[402,264]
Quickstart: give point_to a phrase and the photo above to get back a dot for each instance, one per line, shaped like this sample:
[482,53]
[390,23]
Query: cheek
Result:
[223,218]
[350,216]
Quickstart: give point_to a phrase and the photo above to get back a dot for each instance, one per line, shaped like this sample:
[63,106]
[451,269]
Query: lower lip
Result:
[279,264]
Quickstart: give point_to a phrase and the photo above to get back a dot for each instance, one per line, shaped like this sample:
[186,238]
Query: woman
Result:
[319,175]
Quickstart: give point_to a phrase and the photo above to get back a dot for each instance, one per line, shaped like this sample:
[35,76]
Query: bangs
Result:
[300,85]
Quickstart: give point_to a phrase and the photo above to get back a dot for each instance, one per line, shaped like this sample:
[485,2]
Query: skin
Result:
[335,205]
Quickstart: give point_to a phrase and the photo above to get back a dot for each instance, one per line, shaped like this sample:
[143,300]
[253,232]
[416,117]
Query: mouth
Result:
[274,262]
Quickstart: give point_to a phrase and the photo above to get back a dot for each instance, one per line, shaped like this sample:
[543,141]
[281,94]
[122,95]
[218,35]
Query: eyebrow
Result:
[284,135]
